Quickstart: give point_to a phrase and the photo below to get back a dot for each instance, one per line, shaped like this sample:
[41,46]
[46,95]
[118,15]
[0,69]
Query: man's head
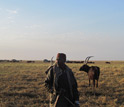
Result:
[61,58]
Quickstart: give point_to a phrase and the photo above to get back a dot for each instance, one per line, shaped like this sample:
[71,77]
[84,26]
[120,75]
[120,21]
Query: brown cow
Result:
[92,71]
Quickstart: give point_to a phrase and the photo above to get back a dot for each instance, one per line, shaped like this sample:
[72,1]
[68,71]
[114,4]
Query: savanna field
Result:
[22,85]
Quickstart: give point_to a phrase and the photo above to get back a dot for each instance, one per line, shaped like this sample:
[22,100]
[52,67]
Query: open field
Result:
[22,85]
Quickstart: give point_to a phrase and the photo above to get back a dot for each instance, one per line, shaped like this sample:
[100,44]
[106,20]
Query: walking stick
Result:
[51,63]
[69,101]
[65,98]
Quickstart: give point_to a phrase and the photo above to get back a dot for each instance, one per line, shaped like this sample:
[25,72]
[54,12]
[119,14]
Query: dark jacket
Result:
[62,83]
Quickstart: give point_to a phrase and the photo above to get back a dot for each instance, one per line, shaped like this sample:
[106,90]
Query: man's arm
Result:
[49,79]
[75,91]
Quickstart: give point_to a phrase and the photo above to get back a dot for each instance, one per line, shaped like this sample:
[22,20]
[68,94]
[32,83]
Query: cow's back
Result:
[94,72]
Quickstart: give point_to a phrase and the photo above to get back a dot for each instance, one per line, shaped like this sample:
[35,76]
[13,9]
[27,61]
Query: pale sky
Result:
[39,29]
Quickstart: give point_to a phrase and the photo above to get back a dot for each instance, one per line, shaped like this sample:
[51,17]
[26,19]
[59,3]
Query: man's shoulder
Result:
[68,69]
[49,69]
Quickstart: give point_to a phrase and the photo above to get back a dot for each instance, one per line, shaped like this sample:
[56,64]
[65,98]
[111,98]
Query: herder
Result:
[62,84]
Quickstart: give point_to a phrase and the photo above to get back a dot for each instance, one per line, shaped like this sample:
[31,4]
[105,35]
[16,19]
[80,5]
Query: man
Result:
[62,84]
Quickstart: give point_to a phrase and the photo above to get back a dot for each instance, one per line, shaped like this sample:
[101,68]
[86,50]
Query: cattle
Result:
[107,62]
[30,61]
[46,60]
[92,71]
[74,61]
[14,60]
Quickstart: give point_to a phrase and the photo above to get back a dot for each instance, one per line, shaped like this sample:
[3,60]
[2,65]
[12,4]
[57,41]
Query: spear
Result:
[51,64]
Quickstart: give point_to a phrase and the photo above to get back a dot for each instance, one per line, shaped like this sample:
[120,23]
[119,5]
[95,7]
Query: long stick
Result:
[69,101]
[51,62]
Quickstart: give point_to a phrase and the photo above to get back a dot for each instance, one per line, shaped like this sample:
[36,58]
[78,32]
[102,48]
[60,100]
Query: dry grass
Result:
[22,85]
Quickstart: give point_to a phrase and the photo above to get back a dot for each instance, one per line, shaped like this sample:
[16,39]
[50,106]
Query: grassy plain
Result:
[22,85]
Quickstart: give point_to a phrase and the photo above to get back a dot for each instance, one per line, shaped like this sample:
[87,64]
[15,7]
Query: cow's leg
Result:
[93,82]
[94,87]
[96,83]
[89,82]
